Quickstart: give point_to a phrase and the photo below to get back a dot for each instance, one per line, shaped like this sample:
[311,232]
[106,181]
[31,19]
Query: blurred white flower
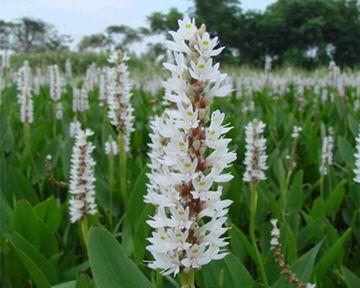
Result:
[255,156]
[120,110]
[82,179]
[327,153]
[25,98]
[75,127]
[111,148]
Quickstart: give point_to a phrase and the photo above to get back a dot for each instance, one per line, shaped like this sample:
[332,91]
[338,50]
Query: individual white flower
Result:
[5,60]
[80,100]
[55,82]
[296,132]
[275,234]
[357,160]
[188,153]
[327,153]
[82,179]
[255,156]
[75,127]
[24,96]
[59,110]
[103,88]
[37,81]
[90,77]
[111,148]
[120,110]
[68,70]
[268,63]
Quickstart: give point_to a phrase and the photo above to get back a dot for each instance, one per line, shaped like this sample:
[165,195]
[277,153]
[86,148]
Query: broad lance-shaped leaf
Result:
[228,272]
[42,273]
[346,152]
[108,264]
[302,268]
[351,279]
[334,200]
[296,194]
[328,259]
[24,222]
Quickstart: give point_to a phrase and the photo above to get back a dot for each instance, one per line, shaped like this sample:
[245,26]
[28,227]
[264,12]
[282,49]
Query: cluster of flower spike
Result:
[280,259]
[188,157]
[255,156]
[82,178]
[24,94]
[327,153]
[357,160]
[120,110]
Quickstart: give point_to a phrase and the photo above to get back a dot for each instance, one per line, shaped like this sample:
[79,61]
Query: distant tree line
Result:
[28,35]
[298,32]
[290,31]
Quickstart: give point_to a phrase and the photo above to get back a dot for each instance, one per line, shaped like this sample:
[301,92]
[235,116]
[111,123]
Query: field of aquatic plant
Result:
[80,180]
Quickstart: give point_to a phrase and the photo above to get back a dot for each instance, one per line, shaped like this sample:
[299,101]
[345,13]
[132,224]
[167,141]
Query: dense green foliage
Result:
[39,246]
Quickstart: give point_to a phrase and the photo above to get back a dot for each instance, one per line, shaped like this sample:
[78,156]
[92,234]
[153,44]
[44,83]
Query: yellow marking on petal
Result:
[181,144]
[201,66]
[189,113]
[212,132]
[205,43]
[178,235]
[181,213]
[188,26]
[195,251]
[202,183]
[187,165]
[162,237]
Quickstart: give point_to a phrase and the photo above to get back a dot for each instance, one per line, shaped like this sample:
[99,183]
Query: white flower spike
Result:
[188,156]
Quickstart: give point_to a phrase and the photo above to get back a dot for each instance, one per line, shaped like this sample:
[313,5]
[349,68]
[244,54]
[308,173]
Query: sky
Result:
[83,17]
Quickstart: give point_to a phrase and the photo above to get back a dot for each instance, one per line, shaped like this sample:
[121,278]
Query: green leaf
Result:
[302,268]
[7,136]
[346,152]
[14,183]
[236,232]
[25,223]
[70,284]
[296,193]
[238,272]
[137,219]
[328,259]
[71,273]
[41,271]
[50,212]
[351,279]
[109,266]
[228,272]
[334,200]
[83,281]
[5,214]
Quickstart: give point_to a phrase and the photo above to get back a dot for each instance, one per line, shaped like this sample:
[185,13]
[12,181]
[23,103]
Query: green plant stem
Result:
[84,229]
[253,206]
[26,135]
[27,146]
[322,187]
[111,187]
[122,166]
[54,120]
[187,280]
